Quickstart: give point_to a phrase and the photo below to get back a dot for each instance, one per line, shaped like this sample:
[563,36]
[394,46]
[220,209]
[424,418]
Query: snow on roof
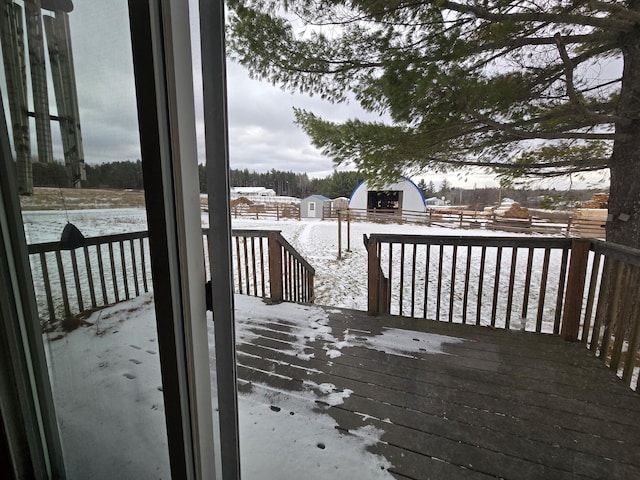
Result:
[319,197]
[260,191]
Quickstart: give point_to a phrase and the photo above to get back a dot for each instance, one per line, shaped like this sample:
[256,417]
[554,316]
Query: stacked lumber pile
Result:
[589,222]
[599,200]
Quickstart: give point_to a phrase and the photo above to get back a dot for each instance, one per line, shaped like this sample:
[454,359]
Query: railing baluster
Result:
[634,333]
[560,298]
[260,243]
[439,292]
[543,289]
[413,281]
[465,297]
[401,279]
[103,283]
[603,300]
[63,285]
[527,285]
[622,319]
[390,277]
[483,257]
[114,279]
[453,282]
[586,324]
[512,278]
[144,266]
[239,268]
[125,275]
[246,265]
[612,310]
[253,264]
[134,267]
[290,272]
[47,286]
[496,287]
[426,278]
[92,290]
[76,279]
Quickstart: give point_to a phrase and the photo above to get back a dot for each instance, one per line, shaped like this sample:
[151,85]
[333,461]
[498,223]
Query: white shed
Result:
[435,202]
[401,195]
[314,206]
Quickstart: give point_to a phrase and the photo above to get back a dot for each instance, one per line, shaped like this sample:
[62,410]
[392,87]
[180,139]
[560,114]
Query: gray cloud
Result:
[262,133]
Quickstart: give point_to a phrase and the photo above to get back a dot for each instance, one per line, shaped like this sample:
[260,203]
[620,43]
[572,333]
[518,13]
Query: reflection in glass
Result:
[68,80]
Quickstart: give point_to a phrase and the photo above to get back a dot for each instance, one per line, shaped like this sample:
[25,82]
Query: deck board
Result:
[497,405]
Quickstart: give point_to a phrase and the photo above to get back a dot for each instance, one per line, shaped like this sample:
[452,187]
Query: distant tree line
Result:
[287,183]
[128,175]
[121,175]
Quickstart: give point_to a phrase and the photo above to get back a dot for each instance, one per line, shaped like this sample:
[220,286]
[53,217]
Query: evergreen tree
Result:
[504,85]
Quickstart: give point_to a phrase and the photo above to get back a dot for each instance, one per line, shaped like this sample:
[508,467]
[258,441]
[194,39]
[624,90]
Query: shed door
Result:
[311,210]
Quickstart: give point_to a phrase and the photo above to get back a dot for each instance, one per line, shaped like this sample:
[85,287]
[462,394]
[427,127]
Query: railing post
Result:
[575,289]
[373,276]
[275,268]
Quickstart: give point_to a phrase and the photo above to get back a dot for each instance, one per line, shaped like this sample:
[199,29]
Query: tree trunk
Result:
[623,226]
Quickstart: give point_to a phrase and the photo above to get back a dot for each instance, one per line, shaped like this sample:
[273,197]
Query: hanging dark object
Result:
[71,238]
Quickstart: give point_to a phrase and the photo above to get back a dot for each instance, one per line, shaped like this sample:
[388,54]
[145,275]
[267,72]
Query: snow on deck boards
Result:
[447,401]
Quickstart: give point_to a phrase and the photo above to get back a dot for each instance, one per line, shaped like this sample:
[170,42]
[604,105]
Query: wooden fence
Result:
[112,268]
[532,284]
[466,219]
[266,211]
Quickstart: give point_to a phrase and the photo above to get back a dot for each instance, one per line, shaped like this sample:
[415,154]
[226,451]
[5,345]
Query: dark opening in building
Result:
[387,200]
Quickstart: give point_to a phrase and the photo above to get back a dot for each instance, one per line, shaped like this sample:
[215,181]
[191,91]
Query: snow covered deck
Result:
[427,399]
[327,393]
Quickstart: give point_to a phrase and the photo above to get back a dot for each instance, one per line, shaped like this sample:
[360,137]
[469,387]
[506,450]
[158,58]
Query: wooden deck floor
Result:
[497,405]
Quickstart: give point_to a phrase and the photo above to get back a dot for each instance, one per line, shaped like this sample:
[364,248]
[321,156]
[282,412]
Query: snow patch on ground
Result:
[320,452]
[407,343]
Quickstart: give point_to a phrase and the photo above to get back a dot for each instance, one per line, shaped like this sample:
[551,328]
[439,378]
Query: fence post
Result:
[575,289]
[348,230]
[339,236]
[373,275]
[275,267]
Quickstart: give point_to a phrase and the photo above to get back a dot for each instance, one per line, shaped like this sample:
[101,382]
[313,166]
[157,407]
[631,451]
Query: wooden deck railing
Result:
[266,265]
[112,268]
[532,284]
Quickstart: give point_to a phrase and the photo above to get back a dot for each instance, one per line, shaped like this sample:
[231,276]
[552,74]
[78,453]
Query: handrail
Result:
[465,240]
[584,289]
[110,268]
[288,247]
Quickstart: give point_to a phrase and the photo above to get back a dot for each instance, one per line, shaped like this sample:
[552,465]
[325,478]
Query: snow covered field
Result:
[342,283]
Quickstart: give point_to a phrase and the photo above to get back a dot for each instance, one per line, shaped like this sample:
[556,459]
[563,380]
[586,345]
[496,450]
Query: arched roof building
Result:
[401,195]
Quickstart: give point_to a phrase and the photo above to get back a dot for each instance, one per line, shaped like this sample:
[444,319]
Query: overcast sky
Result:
[262,134]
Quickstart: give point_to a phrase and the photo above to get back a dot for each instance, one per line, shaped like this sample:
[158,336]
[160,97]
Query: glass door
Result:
[107,328]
